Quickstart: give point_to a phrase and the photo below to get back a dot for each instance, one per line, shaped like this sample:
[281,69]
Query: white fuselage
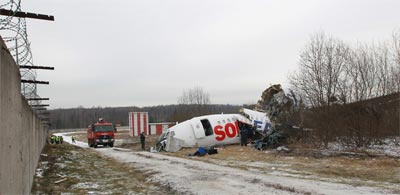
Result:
[215,130]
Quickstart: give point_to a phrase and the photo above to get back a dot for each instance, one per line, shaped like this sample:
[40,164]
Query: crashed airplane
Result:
[211,130]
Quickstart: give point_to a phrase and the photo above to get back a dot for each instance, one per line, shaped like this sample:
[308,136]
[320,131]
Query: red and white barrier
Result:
[159,128]
[138,122]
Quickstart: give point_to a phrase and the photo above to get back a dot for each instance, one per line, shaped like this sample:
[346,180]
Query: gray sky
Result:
[143,53]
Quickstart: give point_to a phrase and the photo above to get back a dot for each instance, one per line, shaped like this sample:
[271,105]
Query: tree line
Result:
[81,117]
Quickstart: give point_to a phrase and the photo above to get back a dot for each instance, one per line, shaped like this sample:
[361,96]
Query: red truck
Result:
[101,133]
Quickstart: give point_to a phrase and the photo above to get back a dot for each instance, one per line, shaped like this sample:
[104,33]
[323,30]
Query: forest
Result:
[81,117]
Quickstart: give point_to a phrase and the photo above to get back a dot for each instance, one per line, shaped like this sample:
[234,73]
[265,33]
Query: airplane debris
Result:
[266,129]
[276,103]
[212,130]
[203,151]
[59,181]
[283,149]
[278,106]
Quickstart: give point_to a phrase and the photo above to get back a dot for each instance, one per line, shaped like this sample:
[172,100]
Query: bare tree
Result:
[195,96]
[373,70]
[318,82]
[330,70]
[321,65]
[193,102]
[362,74]
[335,80]
[395,59]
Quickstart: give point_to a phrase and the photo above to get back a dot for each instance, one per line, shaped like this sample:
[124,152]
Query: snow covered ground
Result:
[195,177]
[389,147]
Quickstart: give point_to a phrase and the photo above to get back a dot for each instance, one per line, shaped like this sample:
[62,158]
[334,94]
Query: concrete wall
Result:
[22,136]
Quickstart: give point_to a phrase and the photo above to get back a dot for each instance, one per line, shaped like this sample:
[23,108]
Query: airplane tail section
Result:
[259,119]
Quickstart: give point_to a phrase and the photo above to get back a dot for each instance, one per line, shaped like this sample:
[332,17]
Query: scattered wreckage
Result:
[223,129]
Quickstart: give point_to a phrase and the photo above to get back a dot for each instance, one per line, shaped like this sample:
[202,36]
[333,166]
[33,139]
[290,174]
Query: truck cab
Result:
[101,133]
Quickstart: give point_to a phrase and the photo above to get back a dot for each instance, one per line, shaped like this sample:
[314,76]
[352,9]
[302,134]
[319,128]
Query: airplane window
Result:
[219,122]
[207,127]
[229,120]
[224,121]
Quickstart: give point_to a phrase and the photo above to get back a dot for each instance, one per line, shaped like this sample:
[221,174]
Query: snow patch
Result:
[85,185]
[68,139]
[388,146]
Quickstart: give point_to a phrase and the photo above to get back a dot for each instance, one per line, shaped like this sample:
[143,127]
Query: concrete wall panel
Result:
[22,136]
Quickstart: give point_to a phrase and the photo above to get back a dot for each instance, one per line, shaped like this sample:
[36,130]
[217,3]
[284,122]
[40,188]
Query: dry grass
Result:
[373,171]
[378,171]
[86,172]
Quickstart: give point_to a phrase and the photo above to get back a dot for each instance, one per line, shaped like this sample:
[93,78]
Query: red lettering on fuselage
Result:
[219,132]
[230,130]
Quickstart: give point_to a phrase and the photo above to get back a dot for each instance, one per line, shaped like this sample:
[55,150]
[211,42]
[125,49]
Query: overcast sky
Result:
[144,53]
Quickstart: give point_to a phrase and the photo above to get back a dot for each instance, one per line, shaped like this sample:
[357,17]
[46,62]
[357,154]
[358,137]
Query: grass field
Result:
[68,169]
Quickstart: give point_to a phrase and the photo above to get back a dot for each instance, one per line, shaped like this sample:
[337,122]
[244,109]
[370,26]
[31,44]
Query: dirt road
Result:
[188,176]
